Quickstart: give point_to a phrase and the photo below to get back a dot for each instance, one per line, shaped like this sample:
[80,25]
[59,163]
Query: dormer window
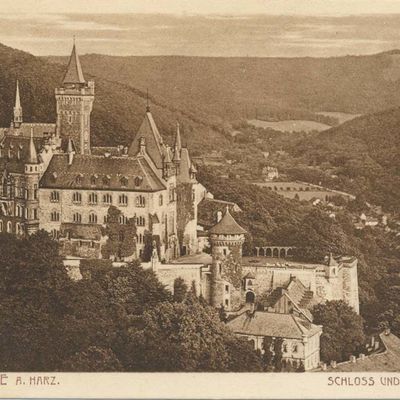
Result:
[93,179]
[138,181]
[124,181]
[106,180]
[54,176]
[79,179]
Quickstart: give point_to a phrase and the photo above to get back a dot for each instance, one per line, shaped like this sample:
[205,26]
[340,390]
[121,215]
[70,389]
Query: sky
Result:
[261,28]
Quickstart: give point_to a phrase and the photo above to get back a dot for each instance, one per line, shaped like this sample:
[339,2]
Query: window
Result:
[18,211]
[138,181]
[123,199]
[93,179]
[1,225]
[106,180]
[18,228]
[123,220]
[54,233]
[55,216]
[171,192]
[77,197]
[140,201]
[124,181]
[77,218]
[55,196]
[107,198]
[193,194]
[78,179]
[35,191]
[224,250]
[140,221]
[226,288]
[226,303]
[92,218]
[105,219]
[295,348]
[93,198]
[285,348]
[160,200]
[140,238]
[9,227]
[35,214]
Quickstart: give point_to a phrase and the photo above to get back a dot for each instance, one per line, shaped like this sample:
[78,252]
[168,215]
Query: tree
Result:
[183,337]
[278,353]
[121,238]
[94,359]
[268,353]
[342,334]
[180,290]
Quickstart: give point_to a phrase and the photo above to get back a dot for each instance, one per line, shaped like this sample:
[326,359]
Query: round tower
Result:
[227,238]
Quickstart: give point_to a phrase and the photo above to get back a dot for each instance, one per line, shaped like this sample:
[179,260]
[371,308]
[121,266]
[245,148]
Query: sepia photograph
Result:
[200,187]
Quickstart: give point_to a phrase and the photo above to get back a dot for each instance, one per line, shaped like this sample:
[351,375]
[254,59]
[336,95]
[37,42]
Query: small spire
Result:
[147,101]
[32,154]
[177,145]
[74,74]
[17,108]
[70,146]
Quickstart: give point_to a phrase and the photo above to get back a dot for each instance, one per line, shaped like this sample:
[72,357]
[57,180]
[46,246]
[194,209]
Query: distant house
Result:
[301,338]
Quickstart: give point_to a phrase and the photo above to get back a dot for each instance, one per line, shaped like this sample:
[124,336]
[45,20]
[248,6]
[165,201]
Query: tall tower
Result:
[74,104]
[32,176]
[227,238]
[17,120]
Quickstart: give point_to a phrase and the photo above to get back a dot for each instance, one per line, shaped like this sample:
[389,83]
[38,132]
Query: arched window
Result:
[106,180]
[160,200]
[138,181]
[93,179]
[18,211]
[79,179]
[93,198]
[18,228]
[140,201]
[124,181]
[77,197]
[77,218]
[123,199]
[9,227]
[105,219]
[140,221]
[54,196]
[107,198]
[1,225]
[92,218]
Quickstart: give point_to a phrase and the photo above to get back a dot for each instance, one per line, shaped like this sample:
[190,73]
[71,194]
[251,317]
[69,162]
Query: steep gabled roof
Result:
[154,143]
[111,173]
[74,72]
[227,226]
[32,157]
[263,323]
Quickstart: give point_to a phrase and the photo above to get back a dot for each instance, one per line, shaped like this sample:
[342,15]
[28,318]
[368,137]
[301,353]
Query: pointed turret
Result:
[17,108]
[70,151]
[74,74]
[177,146]
[32,154]
[227,226]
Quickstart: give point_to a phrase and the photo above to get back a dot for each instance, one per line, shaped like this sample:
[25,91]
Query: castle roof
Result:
[208,209]
[101,173]
[154,143]
[40,130]
[74,72]
[262,323]
[227,226]
[17,98]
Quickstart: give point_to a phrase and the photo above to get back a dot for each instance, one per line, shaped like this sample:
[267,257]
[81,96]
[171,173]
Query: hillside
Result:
[363,153]
[118,108]
[277,87]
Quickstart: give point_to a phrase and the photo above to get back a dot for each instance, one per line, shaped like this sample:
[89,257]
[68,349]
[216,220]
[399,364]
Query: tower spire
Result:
[74,74]
[177,145]
[17,108]
[32,154]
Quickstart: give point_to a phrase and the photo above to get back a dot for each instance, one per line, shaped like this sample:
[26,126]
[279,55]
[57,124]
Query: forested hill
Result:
[364,153]
[118,108]
[232,87]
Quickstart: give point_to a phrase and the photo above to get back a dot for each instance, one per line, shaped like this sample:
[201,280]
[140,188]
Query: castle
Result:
[53,179]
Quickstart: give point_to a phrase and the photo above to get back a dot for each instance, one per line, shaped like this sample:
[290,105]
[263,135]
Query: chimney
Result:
[142,146]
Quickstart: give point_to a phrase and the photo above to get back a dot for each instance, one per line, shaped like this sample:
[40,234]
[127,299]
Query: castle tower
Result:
[74,104]
[227,238]
[32,175]
[17,120]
